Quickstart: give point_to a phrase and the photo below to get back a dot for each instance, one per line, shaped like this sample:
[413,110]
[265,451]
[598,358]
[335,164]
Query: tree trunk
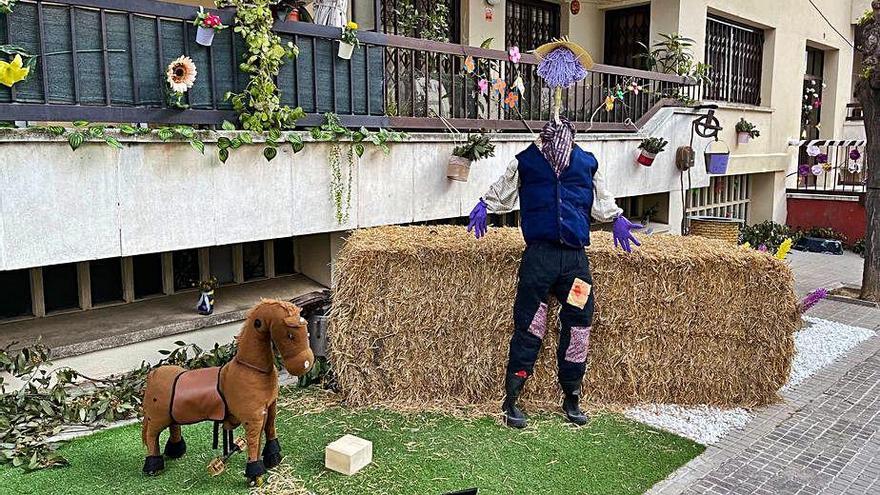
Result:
[870,100]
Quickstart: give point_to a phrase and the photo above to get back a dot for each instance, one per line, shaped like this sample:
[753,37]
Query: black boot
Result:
[175,450]
[153,464]
[272,454]
[254,472]
[572,391]
[513,415]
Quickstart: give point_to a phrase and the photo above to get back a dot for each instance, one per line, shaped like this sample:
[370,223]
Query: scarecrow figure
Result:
[558,186]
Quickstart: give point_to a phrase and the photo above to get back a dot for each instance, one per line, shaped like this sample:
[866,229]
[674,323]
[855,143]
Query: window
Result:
[530,23]
[147,273]
[186,268]
[283,249]
[413,18]
[106,280]
[221,261]
[61,287]
[624,30]
[254,260]
[736,54]
[727,197]
[15,294]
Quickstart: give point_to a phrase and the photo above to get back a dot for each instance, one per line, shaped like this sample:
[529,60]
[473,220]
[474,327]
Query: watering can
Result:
[717,156]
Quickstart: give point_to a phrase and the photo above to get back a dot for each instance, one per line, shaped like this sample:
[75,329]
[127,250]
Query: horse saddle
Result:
[196,397]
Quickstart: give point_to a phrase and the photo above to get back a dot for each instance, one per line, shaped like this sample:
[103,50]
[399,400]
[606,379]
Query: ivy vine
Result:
[340,183]
[259,105]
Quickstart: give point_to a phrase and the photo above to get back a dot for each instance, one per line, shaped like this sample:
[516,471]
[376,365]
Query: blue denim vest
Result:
[556,209]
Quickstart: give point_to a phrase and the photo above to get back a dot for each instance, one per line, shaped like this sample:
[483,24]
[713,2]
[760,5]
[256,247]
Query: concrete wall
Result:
[61,206]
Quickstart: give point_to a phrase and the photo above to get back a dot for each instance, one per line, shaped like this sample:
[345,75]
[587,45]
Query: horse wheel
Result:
[255,482]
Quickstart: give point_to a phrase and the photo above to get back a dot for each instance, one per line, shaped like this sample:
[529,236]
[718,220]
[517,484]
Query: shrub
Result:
[768,233]
[477,148]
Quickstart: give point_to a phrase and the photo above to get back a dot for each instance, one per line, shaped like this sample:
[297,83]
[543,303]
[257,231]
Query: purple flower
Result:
[855,154]
[817,170]
[762,248]
[560,68]
[822,158]
[804,170]
[813,298]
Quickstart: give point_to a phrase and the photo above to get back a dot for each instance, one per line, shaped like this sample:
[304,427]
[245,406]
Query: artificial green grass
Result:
[412,454]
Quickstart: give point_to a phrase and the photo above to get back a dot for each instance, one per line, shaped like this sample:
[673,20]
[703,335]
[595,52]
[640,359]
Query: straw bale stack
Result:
[422,319]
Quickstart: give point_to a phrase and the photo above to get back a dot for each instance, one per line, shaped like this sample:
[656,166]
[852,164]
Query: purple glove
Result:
[478,220]
[623,233]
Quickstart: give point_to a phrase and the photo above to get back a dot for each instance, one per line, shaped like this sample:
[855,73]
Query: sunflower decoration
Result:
[13,72]
[181,75]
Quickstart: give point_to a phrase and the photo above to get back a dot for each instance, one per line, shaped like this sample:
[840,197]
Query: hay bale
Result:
[422,318]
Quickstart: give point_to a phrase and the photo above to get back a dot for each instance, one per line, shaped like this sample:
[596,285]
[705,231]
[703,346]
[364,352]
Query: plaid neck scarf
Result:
[556,143]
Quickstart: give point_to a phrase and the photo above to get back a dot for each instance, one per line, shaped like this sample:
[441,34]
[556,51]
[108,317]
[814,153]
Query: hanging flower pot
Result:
[746,131]
[458,168]
[646,158]
[650,148]
[205,36]
[207,24]
[293,15]
[717,158]
[345,50]
[477,147]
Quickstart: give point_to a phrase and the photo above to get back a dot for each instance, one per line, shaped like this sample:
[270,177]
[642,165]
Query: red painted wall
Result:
[846,217]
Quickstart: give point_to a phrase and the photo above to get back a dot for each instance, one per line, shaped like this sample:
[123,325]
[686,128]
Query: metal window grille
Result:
[530,23]
[393,23]
[727,197]
[736,54]
[624,30]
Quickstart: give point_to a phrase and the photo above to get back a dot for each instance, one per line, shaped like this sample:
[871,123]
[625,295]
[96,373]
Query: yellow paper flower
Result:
[747,245]
[783,250]
[11,73]
[609,103]
[351,25]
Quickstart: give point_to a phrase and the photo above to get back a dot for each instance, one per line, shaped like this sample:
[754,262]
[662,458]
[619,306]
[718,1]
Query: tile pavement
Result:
[825,436]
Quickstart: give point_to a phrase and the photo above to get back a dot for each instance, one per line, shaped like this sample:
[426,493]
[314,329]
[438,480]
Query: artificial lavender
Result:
[812,299]
[561,68]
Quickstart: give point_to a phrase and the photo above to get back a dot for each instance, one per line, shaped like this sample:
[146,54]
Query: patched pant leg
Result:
[537,273]
[575,323]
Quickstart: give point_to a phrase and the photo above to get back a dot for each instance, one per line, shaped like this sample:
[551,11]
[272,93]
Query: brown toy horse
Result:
[243,391]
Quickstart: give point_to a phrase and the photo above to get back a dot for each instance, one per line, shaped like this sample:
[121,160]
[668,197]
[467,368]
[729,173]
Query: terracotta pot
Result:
[293,16]
[345,50]
[743,138]
[205,36]
[646,158]
[458,168]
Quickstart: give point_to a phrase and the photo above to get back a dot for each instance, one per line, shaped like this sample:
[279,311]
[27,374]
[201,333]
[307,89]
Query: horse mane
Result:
[291,309]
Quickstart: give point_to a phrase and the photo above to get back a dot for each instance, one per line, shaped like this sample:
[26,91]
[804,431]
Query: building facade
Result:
[119,238]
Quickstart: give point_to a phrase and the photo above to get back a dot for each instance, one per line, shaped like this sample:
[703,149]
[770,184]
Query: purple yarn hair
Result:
[813,298]
[561,68]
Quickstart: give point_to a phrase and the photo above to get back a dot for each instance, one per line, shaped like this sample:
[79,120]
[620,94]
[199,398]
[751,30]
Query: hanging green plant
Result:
[6,6]
[340,182]
[259,105]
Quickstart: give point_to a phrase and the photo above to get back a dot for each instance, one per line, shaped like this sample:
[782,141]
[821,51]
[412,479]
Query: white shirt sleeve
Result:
[604,209]
[503,195]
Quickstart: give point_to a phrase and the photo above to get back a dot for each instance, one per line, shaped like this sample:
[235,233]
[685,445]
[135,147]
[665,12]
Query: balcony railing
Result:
[840,168]
[105,60]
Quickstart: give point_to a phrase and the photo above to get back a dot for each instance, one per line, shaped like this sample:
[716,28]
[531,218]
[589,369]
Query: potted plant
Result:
[349,40]
[476,148]
[206,299]
[746,131]
[651,147]
[207,24]
[294,10]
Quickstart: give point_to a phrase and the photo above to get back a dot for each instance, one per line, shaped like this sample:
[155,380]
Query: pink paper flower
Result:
[817,170]
[484,86]
[514,54]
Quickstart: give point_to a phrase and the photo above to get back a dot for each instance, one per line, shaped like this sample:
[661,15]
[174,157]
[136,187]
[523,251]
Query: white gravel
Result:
[818,345]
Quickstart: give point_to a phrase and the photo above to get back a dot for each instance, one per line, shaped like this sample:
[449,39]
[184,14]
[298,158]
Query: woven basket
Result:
[724,229]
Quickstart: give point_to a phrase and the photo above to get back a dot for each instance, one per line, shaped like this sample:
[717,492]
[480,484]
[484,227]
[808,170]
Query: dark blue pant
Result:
[551,269]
